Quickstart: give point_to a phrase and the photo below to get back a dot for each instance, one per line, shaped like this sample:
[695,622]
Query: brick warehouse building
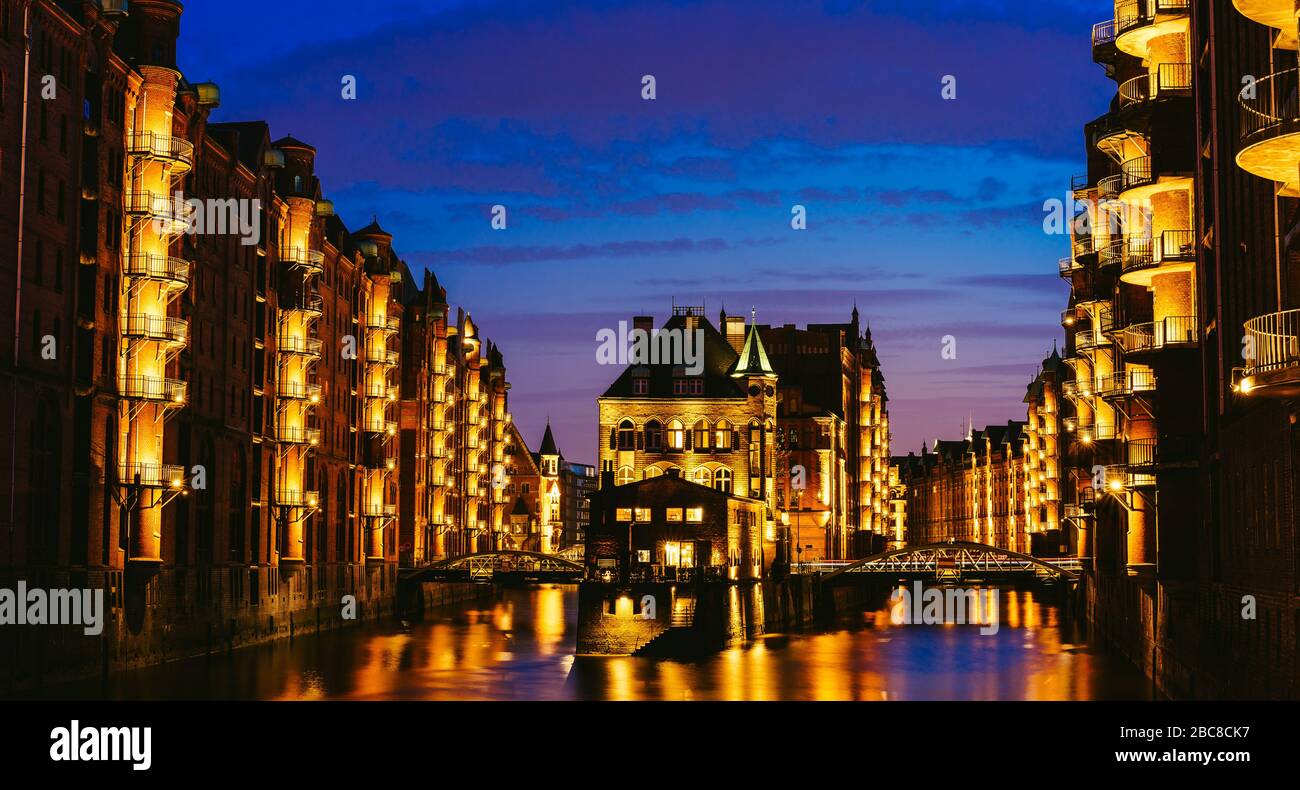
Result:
[226,437]
[749,418]
[1184,353]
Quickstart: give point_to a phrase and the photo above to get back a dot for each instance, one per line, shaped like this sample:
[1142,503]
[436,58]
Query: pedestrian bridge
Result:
[487,566]
[951,562]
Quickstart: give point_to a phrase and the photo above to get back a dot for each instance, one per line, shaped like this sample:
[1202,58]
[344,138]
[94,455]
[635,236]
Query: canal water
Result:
[520,646]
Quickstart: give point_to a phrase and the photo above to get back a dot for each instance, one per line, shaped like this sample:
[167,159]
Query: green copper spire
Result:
[753,357]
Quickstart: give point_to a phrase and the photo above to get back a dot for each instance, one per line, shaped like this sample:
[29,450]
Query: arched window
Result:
[676,435]
[722,480]
[626,435]
[653,471]
[654,436]
[722,435]
[703,476]
[701,436]
[625,475]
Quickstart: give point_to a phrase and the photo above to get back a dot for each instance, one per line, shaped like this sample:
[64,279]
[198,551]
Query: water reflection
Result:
[520,646]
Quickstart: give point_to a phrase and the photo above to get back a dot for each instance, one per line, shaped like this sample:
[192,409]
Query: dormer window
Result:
[640,385]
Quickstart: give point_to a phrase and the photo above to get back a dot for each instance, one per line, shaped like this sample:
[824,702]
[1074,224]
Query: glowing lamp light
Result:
[311,502]
[391,464]
[1116,485]
[1246,386]
[315,398]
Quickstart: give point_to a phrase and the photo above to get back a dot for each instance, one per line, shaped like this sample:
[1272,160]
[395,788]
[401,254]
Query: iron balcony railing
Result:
[1096,433]
[1109,187]
[112,8]
[171,392]
[1171,331]
[388,427]
[1088,339]
[1111,254]
[386,323]
[1066,266]
[295,434]
[1103,33]
[385,391]
[1169,79]
[296,390]
[1132,14]
[1172,246]
[1070,317]
[1141,453]
[1136,172]
[312,260]
[310,303]
[301,346]
[150,266]
[292,498]
[170,216]
[381,356]
[149,475]
[1270,107]
[371,510]
[161,328]
[1274,341]
[162,147]
[1125,383]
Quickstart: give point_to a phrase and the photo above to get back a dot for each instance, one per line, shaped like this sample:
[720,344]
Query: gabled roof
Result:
[719,359]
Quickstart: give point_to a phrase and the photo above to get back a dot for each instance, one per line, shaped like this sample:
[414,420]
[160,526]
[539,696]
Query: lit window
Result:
[695,514]
[674,514]
[653,471]
[701,435]
[643,556]
[722,436]
[643,514]
[722,480]
[625,475]
[676,435]
[703,476]
[623,514]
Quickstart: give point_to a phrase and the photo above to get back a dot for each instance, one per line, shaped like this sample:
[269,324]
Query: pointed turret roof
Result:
[753,357]
[548,442]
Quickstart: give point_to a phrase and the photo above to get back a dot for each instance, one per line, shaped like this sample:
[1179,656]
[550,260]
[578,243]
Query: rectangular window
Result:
[623,514]
[674,514]
[679,386]
[640,386]
[643,514]
[695,514]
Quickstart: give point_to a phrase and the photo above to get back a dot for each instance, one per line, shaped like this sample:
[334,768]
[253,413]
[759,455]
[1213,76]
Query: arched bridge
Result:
[519,566]
[952,561]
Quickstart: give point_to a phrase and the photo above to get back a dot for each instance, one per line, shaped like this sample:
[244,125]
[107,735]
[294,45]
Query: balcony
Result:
[296,390]
[149,475]
[1070,317]
[169,392]
[1109,187]
[170,217]
[1112,254]
[295,434]
[1136,173]
[1103,41]
[1067,267]
[371,510]
[1096,433]
[386,427]
[1175,331]
[291,498]
[1275,369]
[309,304]
[382,391]
[174,151]
[381,356]
[1169,80]
[382,323]
[1125,383]
[1088,340]
[175,272]
[1137,22]
[1270,129]
[1278,14]
[159,328]
[310,347]
[313,261]
[1174,251]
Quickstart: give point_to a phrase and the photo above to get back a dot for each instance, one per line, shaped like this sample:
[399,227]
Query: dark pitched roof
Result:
[520,508]
[244,139]
[719,359]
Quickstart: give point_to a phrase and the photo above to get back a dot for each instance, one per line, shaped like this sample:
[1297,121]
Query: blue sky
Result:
[926,212]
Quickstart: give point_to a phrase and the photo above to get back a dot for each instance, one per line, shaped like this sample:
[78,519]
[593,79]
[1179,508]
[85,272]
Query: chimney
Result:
[673,472]
[645,323]
[735,332]
[606,479]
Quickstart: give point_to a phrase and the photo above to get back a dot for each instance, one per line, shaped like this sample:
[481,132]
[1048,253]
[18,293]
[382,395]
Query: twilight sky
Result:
[927,212]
